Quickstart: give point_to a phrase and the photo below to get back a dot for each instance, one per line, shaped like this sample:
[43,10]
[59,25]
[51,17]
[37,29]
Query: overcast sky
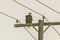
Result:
[9,32]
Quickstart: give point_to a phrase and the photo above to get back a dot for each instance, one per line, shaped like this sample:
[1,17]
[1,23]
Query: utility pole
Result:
[40,25]
[40,30]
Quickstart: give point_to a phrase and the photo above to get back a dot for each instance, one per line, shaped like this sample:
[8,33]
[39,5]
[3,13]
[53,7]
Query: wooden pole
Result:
[40,30]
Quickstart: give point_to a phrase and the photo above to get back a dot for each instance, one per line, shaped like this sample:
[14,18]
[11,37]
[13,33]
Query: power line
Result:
[8,16]
[47,6]
[30,33]
[56,31]
[27,7]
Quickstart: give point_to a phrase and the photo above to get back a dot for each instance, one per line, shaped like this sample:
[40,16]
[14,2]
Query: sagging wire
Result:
[17,21]
[47,6]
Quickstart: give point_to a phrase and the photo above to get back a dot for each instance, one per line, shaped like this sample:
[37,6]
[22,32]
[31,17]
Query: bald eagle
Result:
[28,19]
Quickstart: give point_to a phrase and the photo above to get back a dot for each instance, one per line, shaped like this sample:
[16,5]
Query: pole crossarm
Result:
[52,23]
[25,25]
[36,24]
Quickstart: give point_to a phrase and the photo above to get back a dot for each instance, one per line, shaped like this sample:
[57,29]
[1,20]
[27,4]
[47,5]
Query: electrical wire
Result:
[8,16]
[30,33]
[56,31]
[27,7]
[47,6]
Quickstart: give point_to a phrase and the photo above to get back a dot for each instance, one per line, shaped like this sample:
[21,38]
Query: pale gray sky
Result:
[7,30]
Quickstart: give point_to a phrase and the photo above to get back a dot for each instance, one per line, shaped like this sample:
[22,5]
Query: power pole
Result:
[40,30]
[40,25]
